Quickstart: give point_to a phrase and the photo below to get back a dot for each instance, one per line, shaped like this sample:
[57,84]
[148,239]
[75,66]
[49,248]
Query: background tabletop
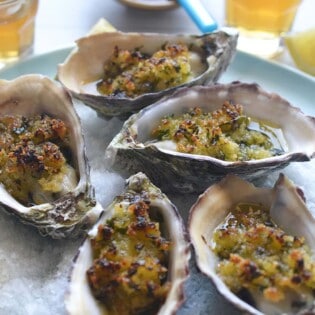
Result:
[59,23]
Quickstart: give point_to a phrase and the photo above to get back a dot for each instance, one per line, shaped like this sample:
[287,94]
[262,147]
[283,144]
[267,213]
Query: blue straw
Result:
[199,15]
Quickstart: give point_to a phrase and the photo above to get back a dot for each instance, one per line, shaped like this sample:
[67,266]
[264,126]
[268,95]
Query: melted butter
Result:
[274,133]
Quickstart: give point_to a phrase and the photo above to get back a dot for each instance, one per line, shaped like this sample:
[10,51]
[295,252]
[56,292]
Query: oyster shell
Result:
[80,299]
[210,56]
[287,210]
[133,149]
[67,213]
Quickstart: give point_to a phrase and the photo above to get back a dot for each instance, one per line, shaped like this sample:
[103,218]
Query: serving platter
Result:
[34,270]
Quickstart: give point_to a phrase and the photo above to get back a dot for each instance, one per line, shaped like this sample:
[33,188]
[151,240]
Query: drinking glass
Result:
[261,23]
[17,23]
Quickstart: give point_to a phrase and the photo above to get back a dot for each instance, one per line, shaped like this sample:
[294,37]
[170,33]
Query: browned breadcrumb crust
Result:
[131,72]
[223,133]
[257,255]
[30,149]
[129,272]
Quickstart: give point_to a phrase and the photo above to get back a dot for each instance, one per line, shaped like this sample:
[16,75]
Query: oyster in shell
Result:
[134,149]
[209,56]
[287,209]
[57,212]
[131,284]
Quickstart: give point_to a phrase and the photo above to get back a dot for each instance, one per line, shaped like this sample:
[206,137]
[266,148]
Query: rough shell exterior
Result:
[79,299]
[85,65]
[69,215]
[287,208]
[131,150]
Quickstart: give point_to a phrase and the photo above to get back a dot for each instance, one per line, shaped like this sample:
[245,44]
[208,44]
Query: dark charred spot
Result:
[296,279]
[140,210]
[133,269]
[251,271]
[300,264]
[111,266]
[107,232]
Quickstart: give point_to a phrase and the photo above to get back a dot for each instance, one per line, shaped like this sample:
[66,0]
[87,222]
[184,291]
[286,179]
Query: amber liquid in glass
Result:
[17,21]
[261,23]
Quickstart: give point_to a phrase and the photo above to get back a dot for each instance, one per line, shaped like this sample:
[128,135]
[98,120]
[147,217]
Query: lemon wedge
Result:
[301,46]
[102,26]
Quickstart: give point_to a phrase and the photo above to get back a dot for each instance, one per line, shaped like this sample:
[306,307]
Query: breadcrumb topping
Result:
[32,154]
[130,73]
[129,272]
[224,134]
[258,256]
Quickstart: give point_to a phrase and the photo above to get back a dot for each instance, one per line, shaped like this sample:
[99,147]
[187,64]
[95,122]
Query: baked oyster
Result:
[137,69]
[44,171]
[256,245]
[135,258]
[135,148]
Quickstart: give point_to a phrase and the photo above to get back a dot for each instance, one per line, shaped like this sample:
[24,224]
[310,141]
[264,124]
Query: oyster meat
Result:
[275,267]
[44,172]
[208,56]
[134,148]
[135,258]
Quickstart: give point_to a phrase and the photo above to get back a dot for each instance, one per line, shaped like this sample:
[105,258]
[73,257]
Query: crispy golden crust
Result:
[257,255]
[131,73]
[223,134]
[129,272]
[31,149]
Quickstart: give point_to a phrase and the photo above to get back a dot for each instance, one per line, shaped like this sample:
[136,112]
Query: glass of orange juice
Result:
[17,21]
[261,23]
